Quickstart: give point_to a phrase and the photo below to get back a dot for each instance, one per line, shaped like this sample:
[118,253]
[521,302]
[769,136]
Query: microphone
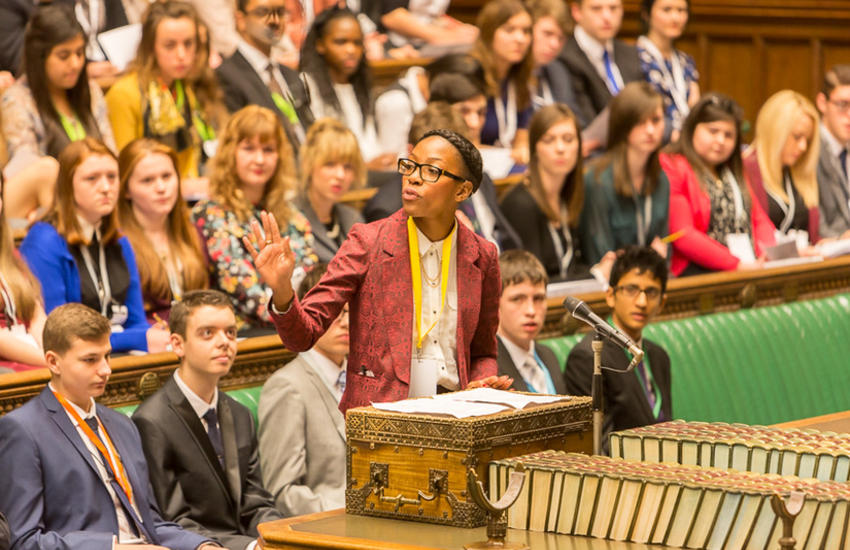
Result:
[582,312]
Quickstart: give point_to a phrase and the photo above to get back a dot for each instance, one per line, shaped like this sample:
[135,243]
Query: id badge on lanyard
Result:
[506,116]
[739,244]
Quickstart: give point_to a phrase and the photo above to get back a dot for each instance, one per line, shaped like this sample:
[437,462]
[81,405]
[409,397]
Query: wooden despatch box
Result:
[414,466]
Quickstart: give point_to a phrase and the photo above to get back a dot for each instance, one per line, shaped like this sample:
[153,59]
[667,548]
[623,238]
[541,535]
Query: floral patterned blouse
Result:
[231,267]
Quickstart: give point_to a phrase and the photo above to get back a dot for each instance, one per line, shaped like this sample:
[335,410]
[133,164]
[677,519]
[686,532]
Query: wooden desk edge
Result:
[814,421]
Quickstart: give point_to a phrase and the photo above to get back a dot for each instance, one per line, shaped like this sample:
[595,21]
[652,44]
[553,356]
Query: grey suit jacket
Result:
[190,485]
[302,441]
[507,366]
[325,247]
[832,188]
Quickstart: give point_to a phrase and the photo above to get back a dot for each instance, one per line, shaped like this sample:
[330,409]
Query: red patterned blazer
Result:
[371,271]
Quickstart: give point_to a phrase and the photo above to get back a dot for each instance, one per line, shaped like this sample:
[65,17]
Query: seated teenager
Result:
[552,25]
[155,218]
[302,432]
[159,98]
[546,207]
[22,316]
[404,349]
[522,310]
[719,227]
[420,23]
[79,255]
[200,443]
[334,66]
[627,194]
[330,165]
[51,105]
[833,102]
[635,295]
[504,50]
[74,471]
[781,164]
[253,171]
[671,71]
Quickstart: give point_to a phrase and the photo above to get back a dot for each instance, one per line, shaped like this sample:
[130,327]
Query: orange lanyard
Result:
[117,467]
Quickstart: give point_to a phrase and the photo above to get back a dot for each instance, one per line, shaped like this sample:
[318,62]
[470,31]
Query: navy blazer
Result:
[53,495]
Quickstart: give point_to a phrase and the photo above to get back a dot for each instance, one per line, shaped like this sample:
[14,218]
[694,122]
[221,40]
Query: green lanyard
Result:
[285,107]
[205,131]
[646,367]
[72,127]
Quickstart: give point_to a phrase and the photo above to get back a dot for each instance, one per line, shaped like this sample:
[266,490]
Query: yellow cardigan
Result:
[124,100]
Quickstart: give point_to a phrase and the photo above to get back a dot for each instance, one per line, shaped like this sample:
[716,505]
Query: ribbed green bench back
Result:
[250,397]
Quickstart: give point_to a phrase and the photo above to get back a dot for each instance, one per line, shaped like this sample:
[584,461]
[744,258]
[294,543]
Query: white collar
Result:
[592,47]
[255,57]
[832,143]
[195,401]
[518,355]
[83,414]
[425,243]
[327,370]
[88,229]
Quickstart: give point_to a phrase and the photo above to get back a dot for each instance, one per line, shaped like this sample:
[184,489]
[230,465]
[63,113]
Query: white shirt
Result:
[126,528]
[260,63]
[594,52]
[394,110]
[198,404]
[486,218]
[327,370]
[522,360]
[440,345]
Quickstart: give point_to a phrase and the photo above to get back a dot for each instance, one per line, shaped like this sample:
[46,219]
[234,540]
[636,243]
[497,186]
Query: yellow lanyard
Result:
[416,272]
[73,128]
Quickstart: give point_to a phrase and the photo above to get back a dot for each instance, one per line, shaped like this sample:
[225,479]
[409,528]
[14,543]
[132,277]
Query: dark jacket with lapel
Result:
[188,481]
[507,366]
[832,187]
[323,245]
[625,402]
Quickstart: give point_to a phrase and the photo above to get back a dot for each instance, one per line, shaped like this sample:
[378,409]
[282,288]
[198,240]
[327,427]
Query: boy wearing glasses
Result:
[423,289]
[833,102]
[631,399]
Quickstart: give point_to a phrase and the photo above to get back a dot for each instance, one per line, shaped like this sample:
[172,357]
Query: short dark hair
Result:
[454,88]
[521,266]
[473,166]
[311,279]
[191,301]
[72,321]
[838,75]
[642,258]
[456,63]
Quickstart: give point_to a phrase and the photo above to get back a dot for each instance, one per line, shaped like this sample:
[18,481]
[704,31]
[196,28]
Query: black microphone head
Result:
[572,303]
[579,309]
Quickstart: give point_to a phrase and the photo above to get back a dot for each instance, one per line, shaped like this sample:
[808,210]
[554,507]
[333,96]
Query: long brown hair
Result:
[23,286]
[247,123]
[182,236]
[493,15]
[572,192]
[634,104]
[63,213]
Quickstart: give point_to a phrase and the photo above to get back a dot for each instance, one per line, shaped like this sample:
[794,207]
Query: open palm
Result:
[273,258]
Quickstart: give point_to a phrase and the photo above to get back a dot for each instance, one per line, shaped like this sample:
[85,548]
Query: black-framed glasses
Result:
[428,172]
[633,291]
[267,13]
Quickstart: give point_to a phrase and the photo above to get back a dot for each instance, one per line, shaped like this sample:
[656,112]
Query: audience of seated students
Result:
[627,195]
[599,64]
[252,76]
[253,171]
[51,105]
[419,23]
[719,227]
[522,310]
[338,79]
[671,71]
[546,207]
[504,50]
[302,432]
[155,218]
[74,472]
[833,102]
[552,25]
[164,96]
[636,294]
[79,255]
[22,316]
[330,166]
[782,161]
[200,443]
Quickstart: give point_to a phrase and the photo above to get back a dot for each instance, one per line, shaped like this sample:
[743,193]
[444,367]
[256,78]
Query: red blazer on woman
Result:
[690,211]
[371,272]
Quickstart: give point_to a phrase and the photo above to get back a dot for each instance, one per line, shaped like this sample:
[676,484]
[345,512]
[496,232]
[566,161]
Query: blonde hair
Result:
[182,237]
[328,141]
[23,287]
[773,127]
[247,123]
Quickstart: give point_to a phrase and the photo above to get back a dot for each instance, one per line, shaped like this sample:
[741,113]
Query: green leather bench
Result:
[250,397]
[758,366]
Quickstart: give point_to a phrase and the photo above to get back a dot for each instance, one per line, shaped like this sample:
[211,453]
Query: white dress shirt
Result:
[260,63]
[198,404]
[527,365]
[594,51]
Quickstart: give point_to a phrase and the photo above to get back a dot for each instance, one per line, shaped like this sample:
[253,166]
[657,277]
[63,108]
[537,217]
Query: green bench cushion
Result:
[250,397]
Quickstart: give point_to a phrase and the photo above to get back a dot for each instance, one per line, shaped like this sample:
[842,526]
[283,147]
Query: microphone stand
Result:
[596,392]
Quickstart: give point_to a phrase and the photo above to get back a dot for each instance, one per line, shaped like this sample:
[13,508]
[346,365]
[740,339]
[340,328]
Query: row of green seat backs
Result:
[757,366]
[250,397]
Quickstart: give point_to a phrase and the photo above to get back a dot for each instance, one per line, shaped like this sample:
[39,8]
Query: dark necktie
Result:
[92,422]
[842,159]
[215,434]
[647,386]
[340,381]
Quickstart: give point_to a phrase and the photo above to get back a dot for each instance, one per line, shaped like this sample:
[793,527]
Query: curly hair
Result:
[251,122]
[468,153]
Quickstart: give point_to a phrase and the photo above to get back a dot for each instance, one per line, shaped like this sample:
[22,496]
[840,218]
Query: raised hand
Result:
[273,259]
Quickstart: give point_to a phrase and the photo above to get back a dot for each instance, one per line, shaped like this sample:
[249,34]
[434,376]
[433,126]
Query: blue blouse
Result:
[655,75]
[490,131]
